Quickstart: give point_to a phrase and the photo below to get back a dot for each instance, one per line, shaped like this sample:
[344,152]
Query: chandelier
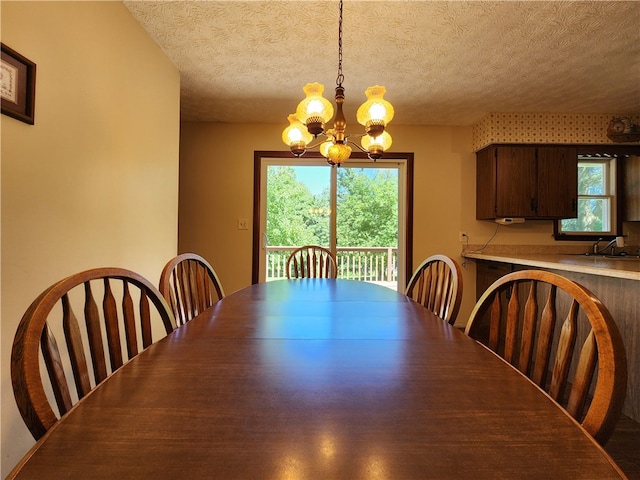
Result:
[312,113]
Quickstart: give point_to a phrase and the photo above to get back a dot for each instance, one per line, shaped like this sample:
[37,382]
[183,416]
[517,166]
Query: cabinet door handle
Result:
[534,205]
[574,204]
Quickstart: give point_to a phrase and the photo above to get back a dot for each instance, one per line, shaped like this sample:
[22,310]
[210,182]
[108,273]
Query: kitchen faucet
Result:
[611,244]
[594,247]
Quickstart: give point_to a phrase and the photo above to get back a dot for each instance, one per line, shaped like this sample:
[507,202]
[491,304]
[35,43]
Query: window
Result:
[597,203]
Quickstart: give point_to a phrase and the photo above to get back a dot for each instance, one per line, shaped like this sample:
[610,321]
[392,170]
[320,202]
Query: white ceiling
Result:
[442,62]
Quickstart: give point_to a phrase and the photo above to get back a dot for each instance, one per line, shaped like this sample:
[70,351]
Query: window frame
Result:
[262,156]
[616,183]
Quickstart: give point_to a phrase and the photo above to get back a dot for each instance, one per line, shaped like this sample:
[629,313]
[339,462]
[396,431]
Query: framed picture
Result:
[17,85]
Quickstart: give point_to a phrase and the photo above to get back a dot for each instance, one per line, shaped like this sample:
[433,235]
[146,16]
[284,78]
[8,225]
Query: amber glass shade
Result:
[314,107]
[296,132]
[324,148]
[296,136]
[381,142]
[338,153]
[376,110]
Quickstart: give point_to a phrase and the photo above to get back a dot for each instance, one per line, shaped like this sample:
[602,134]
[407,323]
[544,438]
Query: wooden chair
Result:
[312,261]
[569,353]
[437,284]
[50,328]
[190,285]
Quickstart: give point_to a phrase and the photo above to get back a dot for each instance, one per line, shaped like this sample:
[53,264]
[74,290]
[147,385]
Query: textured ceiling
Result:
[442,62]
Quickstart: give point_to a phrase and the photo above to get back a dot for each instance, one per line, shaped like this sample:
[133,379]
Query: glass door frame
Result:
[405,235]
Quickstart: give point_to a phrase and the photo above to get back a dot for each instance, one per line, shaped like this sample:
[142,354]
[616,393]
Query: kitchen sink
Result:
[621,257]
[609,257]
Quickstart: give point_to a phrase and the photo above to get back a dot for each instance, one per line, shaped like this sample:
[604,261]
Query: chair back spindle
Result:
[584,356]
[437,284]
[190,285]
[311,261]
[51,328]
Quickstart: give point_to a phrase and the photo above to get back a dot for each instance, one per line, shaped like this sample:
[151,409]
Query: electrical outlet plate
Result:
[463,237]
[243,224]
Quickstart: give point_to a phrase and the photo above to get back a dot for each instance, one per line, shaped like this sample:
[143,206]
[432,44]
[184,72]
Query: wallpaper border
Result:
[544,128]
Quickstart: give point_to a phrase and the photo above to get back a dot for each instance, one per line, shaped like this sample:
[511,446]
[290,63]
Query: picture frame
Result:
[17,85]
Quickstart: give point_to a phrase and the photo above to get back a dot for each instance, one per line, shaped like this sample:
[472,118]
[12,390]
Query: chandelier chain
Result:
[340,77]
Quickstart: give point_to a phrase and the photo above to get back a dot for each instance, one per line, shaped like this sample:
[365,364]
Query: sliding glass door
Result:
[358,211]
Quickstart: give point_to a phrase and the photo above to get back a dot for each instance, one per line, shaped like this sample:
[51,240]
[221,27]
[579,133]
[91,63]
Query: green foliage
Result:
[591,178]
[367,209]
[591,211]
[288,205]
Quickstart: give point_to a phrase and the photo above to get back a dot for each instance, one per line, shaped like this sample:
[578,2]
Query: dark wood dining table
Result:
[317,379]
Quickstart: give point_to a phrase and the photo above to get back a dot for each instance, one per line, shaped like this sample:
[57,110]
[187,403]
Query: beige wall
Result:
[216,188]
[95,181]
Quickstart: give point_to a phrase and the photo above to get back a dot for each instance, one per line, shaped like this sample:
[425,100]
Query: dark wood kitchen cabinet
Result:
[488,272]
[528,181]
[632,188]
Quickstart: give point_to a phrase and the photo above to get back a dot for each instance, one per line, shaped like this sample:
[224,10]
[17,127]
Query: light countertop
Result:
[628,268]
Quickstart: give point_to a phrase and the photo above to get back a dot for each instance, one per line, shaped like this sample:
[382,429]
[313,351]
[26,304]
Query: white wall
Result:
[95,181]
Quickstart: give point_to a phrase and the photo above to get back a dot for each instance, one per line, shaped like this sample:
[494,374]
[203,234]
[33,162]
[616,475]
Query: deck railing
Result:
[368,264]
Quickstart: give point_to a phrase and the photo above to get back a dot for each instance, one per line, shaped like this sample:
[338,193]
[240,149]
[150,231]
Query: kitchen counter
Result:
[615,281]
[621,267]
